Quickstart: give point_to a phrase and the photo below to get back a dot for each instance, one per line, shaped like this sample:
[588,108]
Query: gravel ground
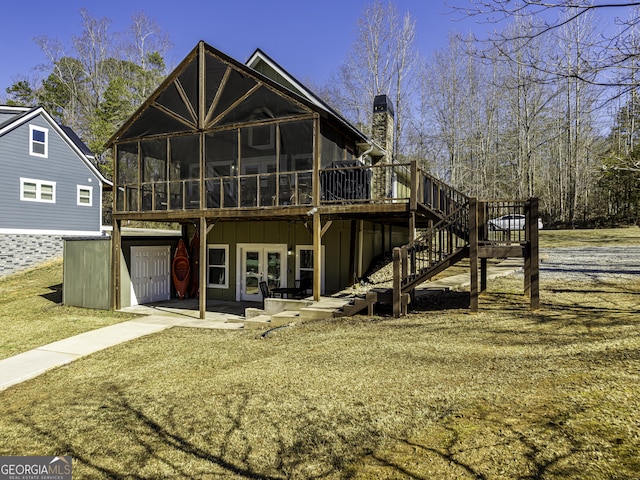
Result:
[594,264]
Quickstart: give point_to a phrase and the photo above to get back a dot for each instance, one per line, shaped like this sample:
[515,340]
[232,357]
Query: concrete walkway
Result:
[27,365]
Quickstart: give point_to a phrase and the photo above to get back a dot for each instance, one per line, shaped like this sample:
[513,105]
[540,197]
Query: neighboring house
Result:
[49,188]
[279,187]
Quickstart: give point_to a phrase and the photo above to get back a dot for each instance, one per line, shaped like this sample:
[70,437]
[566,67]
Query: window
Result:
[85,195]
[261,137]
[304,266]
[37,191]
[38,141]
[218,266]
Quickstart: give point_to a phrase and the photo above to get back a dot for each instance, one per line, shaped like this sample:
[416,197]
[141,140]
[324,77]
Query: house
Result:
[277,186]
[49,188]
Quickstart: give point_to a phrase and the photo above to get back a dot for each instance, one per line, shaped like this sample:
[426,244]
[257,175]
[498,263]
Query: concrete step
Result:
[251,312]
[316,313]
[285,318]
[259,322]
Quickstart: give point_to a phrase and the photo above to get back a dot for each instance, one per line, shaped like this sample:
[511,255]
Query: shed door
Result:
[150,274]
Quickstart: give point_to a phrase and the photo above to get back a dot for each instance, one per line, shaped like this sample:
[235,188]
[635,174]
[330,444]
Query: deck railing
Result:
[344,182]
[338,184]
[502,222]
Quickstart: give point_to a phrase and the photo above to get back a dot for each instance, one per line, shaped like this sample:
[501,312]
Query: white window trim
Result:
[84,187]
[38,184]
[33,128]
[226,265]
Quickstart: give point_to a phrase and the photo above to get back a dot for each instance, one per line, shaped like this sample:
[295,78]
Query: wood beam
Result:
[216,99]
[533,258]
[317,253]
[501,251]
[473,254]
[116,248]
[326,227]
[360,248]
[202,99]
[483,275]
[185,100]
[397,282]
[236,103]
[202,269]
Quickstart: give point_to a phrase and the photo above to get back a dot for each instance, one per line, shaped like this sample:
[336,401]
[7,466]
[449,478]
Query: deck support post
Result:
[397,283]
[317,260]
[483,275]
[413,200]
[202,269]
[473,254]
[532,258]
[116,249]
[360,249]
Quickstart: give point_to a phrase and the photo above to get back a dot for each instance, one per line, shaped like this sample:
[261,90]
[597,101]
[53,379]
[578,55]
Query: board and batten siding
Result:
[62,166]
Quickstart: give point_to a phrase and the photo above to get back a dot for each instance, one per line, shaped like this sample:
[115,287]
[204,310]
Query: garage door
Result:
[150,274]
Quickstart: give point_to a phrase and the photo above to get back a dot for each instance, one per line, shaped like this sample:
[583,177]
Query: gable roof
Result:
[73,136]
[10,114]
[264,64]
[25,114]
[176,104]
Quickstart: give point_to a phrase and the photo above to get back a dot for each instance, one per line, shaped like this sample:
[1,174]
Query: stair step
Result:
[316,313]
[251,312]
[256,323]
[284,318]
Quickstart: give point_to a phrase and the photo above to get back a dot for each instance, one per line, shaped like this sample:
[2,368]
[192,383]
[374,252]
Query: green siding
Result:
[86,273]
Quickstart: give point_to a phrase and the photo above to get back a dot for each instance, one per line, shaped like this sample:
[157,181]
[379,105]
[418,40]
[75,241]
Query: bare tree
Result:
[381,61]
[607,54]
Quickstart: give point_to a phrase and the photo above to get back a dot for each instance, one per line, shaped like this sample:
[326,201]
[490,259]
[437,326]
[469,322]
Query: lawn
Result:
[585,238]
[32,314]
[502,394]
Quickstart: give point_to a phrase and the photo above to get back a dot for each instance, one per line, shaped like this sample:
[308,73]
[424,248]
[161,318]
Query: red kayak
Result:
[181,270]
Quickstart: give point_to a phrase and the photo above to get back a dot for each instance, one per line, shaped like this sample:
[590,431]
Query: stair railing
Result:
[437,248]
[438,196]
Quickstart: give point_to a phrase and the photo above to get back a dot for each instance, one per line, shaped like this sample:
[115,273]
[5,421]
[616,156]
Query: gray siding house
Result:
[49,188]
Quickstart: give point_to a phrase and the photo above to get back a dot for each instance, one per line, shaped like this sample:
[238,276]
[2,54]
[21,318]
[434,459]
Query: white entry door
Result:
[150,274]
[261,263]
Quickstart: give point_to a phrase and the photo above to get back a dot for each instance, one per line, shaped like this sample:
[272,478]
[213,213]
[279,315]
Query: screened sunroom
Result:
[222,136]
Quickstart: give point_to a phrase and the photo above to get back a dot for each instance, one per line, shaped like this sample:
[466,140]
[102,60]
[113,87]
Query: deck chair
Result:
[264,289]
[301,288]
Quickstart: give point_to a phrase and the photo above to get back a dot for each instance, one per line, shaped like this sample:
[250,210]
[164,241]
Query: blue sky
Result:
[308,38]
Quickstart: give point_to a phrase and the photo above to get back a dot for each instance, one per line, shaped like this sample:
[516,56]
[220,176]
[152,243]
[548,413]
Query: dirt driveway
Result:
[595,264]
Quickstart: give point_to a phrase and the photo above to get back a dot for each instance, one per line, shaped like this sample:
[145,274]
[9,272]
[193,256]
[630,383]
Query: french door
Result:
[261,262]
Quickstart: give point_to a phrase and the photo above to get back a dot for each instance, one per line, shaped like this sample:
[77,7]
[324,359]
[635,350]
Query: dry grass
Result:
[505,394]
[32,315]
[439,394]
[584,238]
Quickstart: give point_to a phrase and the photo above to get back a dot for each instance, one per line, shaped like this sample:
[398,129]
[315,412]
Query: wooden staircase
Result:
[438,248]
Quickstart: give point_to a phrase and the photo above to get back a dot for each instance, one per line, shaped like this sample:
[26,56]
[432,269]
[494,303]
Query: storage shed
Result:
[145,275]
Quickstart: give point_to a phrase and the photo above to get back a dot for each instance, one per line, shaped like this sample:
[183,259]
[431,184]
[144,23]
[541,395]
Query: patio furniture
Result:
[264,289]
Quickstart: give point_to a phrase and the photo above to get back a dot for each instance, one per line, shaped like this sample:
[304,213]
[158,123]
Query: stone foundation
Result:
[20,252]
